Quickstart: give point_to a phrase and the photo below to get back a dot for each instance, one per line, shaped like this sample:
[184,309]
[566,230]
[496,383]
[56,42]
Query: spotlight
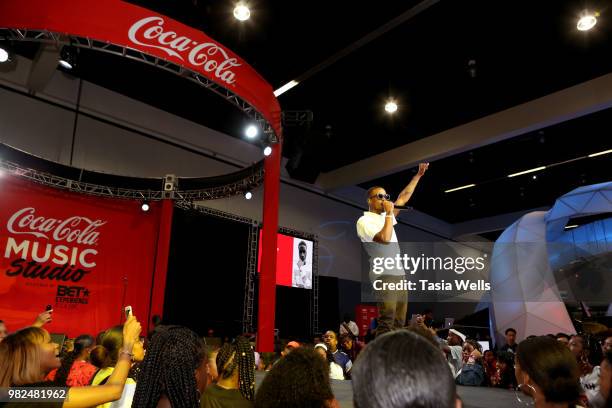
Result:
[145,206]
[587,21]
[242,12]
[471,68]
[267,151]
[67,58]
[251,131]
[391,107]
[248,195]
[4,54]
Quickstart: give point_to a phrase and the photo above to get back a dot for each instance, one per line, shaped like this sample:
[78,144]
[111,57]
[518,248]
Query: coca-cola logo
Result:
[210,57]
[76,229]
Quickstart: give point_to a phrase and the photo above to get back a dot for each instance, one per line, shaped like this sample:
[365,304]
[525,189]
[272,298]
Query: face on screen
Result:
[302,264]
[303,251]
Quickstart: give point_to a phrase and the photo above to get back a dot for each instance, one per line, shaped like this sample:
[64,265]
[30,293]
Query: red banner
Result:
[125,24]
[85,256]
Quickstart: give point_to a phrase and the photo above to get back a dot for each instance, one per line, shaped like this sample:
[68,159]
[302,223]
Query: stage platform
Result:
[473,397]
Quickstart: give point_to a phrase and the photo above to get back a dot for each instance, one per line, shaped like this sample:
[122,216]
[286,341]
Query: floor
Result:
[473,397]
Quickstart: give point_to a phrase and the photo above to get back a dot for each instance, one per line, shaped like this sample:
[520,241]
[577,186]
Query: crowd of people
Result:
[173,367]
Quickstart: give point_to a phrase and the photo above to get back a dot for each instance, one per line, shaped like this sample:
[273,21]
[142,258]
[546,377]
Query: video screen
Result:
[294,261]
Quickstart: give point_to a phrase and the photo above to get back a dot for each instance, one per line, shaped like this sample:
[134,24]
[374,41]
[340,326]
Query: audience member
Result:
[236,384]
[371,333]
[300,380]
[511,344]
[174,371]
[28,355]
[266,361]
[489,362]
[351,346]
[76,371]
[335,371]
[453,348]
[340,357]
[547,371]
[3,331]
[348,326]
[213,373]
[402,369]
[605,378]
[589,374]
[428,317]
[105,356]
[471,372]
[505,369]
[563,338]
[606,344]
[290,346]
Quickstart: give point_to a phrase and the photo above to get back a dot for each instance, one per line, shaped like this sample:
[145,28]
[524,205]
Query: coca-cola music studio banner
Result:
[86,256]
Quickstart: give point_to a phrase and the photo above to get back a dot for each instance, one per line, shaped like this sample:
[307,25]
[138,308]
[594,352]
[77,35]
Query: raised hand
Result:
[422,169]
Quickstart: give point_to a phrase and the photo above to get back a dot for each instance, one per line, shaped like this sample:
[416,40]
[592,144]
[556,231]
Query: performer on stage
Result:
[375,229]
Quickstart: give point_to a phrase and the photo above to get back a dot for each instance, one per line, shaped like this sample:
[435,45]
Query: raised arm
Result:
[407,192]
[81,397]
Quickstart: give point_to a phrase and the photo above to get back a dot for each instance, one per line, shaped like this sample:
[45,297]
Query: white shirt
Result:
[370,224]
[455,359]
[590,383]
[335,371]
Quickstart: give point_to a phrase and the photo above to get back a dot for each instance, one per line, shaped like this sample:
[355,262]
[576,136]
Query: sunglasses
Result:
[382,196]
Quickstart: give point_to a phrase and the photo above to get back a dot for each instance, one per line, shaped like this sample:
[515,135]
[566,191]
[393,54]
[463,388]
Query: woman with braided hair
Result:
[76,371]
[174,371]
[235,387]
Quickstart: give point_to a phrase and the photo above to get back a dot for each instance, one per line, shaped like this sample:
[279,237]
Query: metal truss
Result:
[251,181]
[248,318]
[297,118]
[314,296]
[189,205]
[52,38]
[248,322]
[77,186]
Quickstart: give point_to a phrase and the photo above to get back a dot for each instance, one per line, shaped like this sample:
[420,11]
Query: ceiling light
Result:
[285,88]
[67,58]
[267,151]
[600,153]
[391,107]
[248,195]
[571,226]
[242,12]
[145,206]
[527,171]
[587,21]
[4,54]
[251,131]
[460,188]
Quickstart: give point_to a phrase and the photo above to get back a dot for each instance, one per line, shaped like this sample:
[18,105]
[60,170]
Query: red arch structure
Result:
[121,28]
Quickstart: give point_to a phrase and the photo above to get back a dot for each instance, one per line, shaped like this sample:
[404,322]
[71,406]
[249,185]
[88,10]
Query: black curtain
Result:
[206,273]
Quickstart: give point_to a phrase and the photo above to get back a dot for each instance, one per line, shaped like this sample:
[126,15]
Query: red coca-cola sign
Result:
[121,23]
[84,255]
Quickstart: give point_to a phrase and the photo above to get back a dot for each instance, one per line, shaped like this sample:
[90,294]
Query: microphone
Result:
[402,207]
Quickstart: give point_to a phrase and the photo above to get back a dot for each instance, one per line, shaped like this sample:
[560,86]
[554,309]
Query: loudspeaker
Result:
[170,182]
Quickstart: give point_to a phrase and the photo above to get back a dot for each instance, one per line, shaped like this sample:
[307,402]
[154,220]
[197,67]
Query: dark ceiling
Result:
[522,50]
